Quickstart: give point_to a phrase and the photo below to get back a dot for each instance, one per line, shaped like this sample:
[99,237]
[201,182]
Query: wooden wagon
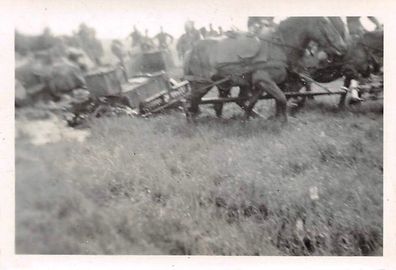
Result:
[147,93]
[151,93]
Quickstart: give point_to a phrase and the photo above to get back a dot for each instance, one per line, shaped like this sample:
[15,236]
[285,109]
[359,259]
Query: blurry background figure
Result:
[88,42]
[97,48]
[204,32]
[220,31]
[147,43]
[83,38]
[163,38]
[188,39]
[46,40]
[117,48]
[191,31]
[136,37]
[212,32]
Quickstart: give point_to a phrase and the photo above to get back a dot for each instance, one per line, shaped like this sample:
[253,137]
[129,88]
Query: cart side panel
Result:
[103,83]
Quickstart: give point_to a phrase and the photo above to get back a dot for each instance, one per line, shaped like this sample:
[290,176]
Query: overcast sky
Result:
[115,19]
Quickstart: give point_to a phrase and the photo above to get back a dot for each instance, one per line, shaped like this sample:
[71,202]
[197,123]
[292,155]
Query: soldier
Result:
[204,32]
[146,43]
[188,39]
[212,32]
[220,30]
[136,37]
[117,48]
[191,31]
[162,38]
[83,36]
[96,47]
[89,43]
[46,40]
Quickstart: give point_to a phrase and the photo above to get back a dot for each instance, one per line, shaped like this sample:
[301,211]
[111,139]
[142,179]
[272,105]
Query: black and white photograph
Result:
[193,128]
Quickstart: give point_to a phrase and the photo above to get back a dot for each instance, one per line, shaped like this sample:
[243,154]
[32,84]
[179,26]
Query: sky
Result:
[115,19]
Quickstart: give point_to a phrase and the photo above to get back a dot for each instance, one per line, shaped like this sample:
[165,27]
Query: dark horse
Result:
[261,69]
[363,57]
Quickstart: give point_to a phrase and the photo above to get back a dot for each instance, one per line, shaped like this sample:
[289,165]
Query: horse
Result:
[363,58]
[261,64]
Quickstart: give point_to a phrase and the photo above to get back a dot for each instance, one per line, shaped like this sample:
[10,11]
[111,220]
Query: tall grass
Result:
[224,187]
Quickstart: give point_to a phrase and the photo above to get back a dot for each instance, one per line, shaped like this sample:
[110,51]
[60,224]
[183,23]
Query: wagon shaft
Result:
[289,95]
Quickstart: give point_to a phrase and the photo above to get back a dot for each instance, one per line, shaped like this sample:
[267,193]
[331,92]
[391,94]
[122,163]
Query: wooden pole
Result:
[288,95]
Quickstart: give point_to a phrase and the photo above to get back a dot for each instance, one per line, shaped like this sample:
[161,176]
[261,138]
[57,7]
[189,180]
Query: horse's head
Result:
[325,33]
[366,53]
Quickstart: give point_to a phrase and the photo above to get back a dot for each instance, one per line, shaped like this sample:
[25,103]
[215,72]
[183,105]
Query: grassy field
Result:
[219,186]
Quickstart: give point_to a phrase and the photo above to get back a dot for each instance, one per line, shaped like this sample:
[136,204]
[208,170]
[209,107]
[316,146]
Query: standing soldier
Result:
[136,37]
[204,32]
[88,42]
[191,31]
[162,38]
[212,32]
[96,47]
[146,43]
[117,48]
[188,39]
[46,40]
[83,37]
[220,30]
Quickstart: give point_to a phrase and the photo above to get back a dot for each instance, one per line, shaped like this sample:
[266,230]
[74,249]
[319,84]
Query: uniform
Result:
[162,38]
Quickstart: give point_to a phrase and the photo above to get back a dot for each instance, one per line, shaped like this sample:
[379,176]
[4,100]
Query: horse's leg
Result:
[264,83]
[347,82]
[350,80]
[299,102]
[223,93]
[198,90]
[244,95]
[308,88]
